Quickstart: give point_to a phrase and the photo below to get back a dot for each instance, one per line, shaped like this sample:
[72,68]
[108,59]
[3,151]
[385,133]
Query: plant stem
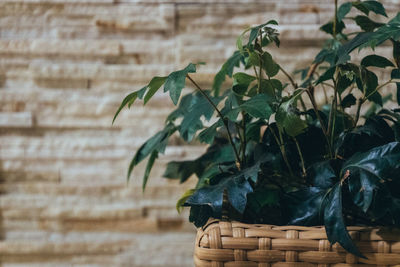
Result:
[335,20]
[301,157]
[289,77]
[360,102]
[332,114]
[364,98]
[244,138]
[238,162]
[282,148]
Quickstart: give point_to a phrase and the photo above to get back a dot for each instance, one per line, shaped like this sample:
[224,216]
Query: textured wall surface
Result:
[65,65]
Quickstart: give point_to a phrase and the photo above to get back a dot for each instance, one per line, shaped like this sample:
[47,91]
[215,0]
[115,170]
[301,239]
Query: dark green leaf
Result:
[304,206]
[367,6]
[236,186]
[199,215]
[176,82]
[369,169]
[129,100]
[153,86]
[322,175]
[198,108]
[376,61]
[348,47]
[348,101]
[269,65]
[207,135]
[334,223]
[328,27]
[182,170]
[149,166]
[367,24]
[327,75]
[155,143]
[343,10]
[258,106]
[226,69]
[396,52]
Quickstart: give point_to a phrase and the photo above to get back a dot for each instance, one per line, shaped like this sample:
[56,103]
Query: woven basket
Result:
[234,244]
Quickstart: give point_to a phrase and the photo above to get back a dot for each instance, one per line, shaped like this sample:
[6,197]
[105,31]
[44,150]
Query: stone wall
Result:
[65,65]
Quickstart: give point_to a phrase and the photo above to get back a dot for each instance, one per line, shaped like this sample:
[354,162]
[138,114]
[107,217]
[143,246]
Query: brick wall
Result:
[65,65]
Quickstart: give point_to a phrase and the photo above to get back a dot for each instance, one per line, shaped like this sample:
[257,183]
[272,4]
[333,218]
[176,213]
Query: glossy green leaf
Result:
[258,106]
[237,188]
[176,82]
[334,223]
[376,61]
[343,10]
[367,6]
[304,206]
[322,174]
[153,86]
[367,24]
[369,169]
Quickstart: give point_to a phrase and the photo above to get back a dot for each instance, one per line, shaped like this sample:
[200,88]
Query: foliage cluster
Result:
[274,154]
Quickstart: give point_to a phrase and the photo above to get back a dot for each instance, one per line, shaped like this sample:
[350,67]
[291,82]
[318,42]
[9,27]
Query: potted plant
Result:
[322,173]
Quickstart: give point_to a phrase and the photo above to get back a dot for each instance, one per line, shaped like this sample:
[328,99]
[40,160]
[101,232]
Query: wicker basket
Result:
[234,244]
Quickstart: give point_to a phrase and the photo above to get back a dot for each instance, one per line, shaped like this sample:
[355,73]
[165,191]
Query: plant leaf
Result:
[347,48]
[348,101]
[367,6]
[176,82]
[327,75]
[237,188]
[334,223]
[226,69]
[207,135]
[343,10]
[149,166]
[304,206]
[269,65]
[286,117]
[153,86]
[376,61]
[183,198]
[322,174]
[367,24]
[258,106]
[369,169]
[155,143]
[129,100]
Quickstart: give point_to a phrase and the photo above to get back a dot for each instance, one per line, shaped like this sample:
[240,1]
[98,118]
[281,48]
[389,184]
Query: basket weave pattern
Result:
[234,244]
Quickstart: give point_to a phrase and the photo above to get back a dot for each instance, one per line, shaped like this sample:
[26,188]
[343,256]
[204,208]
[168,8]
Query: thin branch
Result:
[222,118]
[301,157]
[289,77]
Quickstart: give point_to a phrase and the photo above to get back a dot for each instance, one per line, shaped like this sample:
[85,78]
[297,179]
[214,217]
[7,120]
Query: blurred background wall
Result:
[65,66]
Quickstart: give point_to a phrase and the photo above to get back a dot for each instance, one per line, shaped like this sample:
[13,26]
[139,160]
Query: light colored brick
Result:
[16,119]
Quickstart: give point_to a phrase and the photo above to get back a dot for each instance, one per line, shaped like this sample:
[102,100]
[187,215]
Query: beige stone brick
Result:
[16,119]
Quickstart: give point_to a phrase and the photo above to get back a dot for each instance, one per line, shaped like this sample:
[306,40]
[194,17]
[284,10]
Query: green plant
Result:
[277,156]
